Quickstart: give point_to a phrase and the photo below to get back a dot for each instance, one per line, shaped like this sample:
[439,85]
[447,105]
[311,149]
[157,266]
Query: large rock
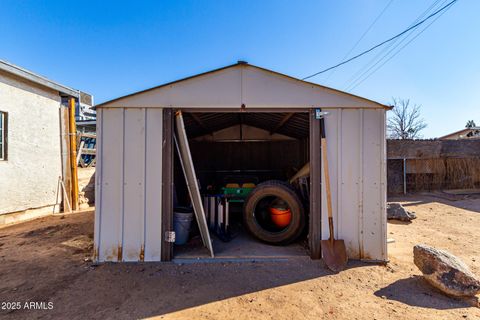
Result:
[396,211]
[445,271]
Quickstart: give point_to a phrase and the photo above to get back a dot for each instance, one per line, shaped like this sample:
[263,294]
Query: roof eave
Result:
[35,78]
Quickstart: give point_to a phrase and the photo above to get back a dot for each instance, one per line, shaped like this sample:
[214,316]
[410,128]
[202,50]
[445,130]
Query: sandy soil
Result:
[43,261]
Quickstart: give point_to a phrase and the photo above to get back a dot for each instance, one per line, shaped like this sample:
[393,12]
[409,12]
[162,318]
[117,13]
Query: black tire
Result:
[283,190]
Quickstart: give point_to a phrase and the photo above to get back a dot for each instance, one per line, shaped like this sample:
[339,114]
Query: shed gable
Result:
[241,84]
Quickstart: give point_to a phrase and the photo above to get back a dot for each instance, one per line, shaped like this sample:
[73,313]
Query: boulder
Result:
[445,271]
[395,211]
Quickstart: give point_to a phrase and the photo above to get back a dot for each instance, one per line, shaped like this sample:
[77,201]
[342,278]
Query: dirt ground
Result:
[44,261]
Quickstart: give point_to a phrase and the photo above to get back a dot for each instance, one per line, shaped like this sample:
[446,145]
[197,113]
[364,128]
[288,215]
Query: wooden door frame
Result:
[315,214]
[167,184]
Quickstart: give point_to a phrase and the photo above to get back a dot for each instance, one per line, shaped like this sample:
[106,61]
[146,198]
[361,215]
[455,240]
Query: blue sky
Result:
[111,48]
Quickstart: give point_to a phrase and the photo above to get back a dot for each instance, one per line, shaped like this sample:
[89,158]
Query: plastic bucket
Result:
[182,220]
[281,217]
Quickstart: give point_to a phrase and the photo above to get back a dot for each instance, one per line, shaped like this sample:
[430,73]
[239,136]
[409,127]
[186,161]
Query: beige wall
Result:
[28,179]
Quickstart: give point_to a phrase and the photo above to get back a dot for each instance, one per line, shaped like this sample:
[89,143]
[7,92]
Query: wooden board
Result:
[167,184]
[183,149]
[314,232]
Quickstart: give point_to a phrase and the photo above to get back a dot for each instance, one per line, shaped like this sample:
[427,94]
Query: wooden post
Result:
[73,153]
[315,218]
[65,146]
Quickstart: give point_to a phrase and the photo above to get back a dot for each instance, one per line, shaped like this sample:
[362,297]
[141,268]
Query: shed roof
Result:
[241,85]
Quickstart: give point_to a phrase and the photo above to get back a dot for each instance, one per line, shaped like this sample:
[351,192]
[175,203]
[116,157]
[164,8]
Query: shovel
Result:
[333,251]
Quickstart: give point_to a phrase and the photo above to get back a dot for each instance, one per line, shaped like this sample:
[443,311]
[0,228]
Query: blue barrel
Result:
[182,220]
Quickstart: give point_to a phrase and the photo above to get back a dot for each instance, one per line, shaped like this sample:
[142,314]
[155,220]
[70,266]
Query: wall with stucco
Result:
[28,178]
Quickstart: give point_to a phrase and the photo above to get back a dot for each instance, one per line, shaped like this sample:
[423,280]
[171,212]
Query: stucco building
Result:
[33,144]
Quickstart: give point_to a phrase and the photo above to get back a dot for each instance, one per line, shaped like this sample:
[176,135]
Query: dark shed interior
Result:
[242,147]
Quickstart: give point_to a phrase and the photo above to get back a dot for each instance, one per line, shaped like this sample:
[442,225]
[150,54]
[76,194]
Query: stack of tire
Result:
[285,192]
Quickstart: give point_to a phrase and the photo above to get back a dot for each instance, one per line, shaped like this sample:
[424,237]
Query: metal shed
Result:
[134,178]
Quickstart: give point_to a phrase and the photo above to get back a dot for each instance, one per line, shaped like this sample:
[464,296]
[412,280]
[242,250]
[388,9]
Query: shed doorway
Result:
[234,153]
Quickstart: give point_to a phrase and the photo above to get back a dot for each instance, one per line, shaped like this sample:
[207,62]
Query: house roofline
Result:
[459,131]
[38,79]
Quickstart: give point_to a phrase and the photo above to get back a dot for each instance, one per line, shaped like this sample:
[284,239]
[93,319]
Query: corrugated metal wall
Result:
[356,154]
[128,184]
[129,181]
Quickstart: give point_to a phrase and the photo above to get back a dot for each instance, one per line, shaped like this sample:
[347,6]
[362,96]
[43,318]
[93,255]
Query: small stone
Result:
[384,297]
[445,271]
[84,206]
[395,211]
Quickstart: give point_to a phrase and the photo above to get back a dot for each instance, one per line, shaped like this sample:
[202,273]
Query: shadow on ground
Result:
[49,269]
[155,289]
[415,291]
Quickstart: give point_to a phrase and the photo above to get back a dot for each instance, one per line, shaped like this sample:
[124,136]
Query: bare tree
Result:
[470,124]
[405,121]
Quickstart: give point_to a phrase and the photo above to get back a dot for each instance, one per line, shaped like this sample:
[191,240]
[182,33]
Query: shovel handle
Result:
[327,177]
[330,228]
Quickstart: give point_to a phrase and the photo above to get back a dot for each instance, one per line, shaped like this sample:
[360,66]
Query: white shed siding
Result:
[128,221]
[29,177]
[356,154]
[153,184]
[266,89]
[128,218]
[215,90]
[133,184]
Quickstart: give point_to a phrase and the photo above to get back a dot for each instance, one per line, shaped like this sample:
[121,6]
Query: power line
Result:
[382,43]
[416,36]
[363,35]
[382,54]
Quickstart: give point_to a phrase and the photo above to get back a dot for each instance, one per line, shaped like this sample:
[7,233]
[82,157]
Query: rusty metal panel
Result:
[133,220]
[153,184]
[111,193]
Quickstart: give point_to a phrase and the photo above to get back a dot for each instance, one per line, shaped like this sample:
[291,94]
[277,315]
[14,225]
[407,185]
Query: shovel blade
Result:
[334,254]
